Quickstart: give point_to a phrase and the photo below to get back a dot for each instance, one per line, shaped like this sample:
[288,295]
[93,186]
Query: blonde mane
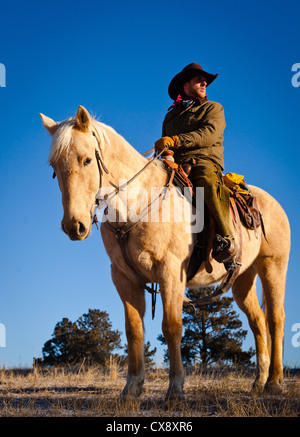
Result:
[62,139]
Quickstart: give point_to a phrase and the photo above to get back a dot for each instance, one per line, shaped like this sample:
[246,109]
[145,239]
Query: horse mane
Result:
[62,139]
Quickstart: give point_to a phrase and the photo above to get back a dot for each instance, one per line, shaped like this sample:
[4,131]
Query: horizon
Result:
[117,60]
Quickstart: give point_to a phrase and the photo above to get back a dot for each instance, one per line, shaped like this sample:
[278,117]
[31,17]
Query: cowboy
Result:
[193,129]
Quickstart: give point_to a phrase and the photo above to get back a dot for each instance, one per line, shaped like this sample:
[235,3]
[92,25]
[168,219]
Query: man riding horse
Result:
[193,129]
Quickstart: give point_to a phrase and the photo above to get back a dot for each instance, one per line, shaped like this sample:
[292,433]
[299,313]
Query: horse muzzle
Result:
[76,230]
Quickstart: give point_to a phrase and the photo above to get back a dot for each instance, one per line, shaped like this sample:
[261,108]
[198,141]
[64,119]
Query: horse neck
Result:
[124,162]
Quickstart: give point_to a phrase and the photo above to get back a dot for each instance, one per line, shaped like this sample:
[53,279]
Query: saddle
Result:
[245,212]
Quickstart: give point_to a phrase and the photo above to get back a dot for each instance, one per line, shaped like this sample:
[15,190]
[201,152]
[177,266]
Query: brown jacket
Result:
[200,130]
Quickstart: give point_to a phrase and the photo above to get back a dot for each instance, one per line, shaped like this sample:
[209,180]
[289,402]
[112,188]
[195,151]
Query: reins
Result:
[99,204]
[121,233]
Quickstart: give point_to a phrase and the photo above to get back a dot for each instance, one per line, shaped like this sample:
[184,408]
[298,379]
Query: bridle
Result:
[101,166]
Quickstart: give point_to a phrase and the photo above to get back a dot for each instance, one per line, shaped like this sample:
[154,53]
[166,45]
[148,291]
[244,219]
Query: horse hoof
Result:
[127,398]
[257,388]
[273,388]
[130,395]
[174,397]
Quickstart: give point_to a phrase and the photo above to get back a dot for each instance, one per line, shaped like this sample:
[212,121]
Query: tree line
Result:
[212,334]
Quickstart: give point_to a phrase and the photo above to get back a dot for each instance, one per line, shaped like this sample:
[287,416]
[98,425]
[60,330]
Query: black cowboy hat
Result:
[185,75]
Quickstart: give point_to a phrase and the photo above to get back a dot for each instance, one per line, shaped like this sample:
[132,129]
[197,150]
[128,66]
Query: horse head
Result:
[73,158]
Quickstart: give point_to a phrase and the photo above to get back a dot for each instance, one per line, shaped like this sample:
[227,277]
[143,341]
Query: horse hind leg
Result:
[133,298]
[272,273]
[244,293]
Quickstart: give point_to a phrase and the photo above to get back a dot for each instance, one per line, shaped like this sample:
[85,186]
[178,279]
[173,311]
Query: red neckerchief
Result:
[185,98]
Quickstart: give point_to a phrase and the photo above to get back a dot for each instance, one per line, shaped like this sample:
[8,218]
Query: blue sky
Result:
[117,59]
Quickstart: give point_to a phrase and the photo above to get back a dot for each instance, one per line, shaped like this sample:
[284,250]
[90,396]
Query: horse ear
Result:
[83,119]
[49,124]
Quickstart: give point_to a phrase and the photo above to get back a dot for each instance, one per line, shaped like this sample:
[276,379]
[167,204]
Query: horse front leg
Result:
[133,298]
[172,293]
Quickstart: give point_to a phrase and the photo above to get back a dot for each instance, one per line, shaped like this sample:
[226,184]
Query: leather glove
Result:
[169,142]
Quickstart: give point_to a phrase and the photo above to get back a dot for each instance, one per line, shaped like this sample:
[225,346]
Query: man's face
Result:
[196,87]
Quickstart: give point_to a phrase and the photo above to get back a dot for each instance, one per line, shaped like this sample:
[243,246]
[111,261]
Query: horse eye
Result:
[87,161]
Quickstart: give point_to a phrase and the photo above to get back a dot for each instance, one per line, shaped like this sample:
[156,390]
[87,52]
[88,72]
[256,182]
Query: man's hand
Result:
[169,142]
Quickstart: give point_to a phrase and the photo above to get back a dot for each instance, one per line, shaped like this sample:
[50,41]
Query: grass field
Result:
[86,392]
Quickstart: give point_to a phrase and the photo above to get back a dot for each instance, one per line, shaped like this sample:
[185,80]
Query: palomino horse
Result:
[85,155]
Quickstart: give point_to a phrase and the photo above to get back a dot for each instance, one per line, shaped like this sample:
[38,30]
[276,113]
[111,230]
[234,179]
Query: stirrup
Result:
[230,265]
[224,249]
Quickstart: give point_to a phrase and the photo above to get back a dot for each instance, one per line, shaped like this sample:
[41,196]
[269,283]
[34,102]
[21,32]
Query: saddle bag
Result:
[246,203]
[248,209]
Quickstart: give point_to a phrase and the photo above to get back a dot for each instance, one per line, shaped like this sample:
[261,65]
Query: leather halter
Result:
[101,166]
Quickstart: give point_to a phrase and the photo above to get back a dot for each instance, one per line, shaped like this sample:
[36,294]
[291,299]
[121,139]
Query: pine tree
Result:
[90,338]
[61,348]
[97,339]
[149,355]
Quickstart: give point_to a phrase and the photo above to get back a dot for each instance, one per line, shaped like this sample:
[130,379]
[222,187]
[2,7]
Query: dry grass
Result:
[94,392]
